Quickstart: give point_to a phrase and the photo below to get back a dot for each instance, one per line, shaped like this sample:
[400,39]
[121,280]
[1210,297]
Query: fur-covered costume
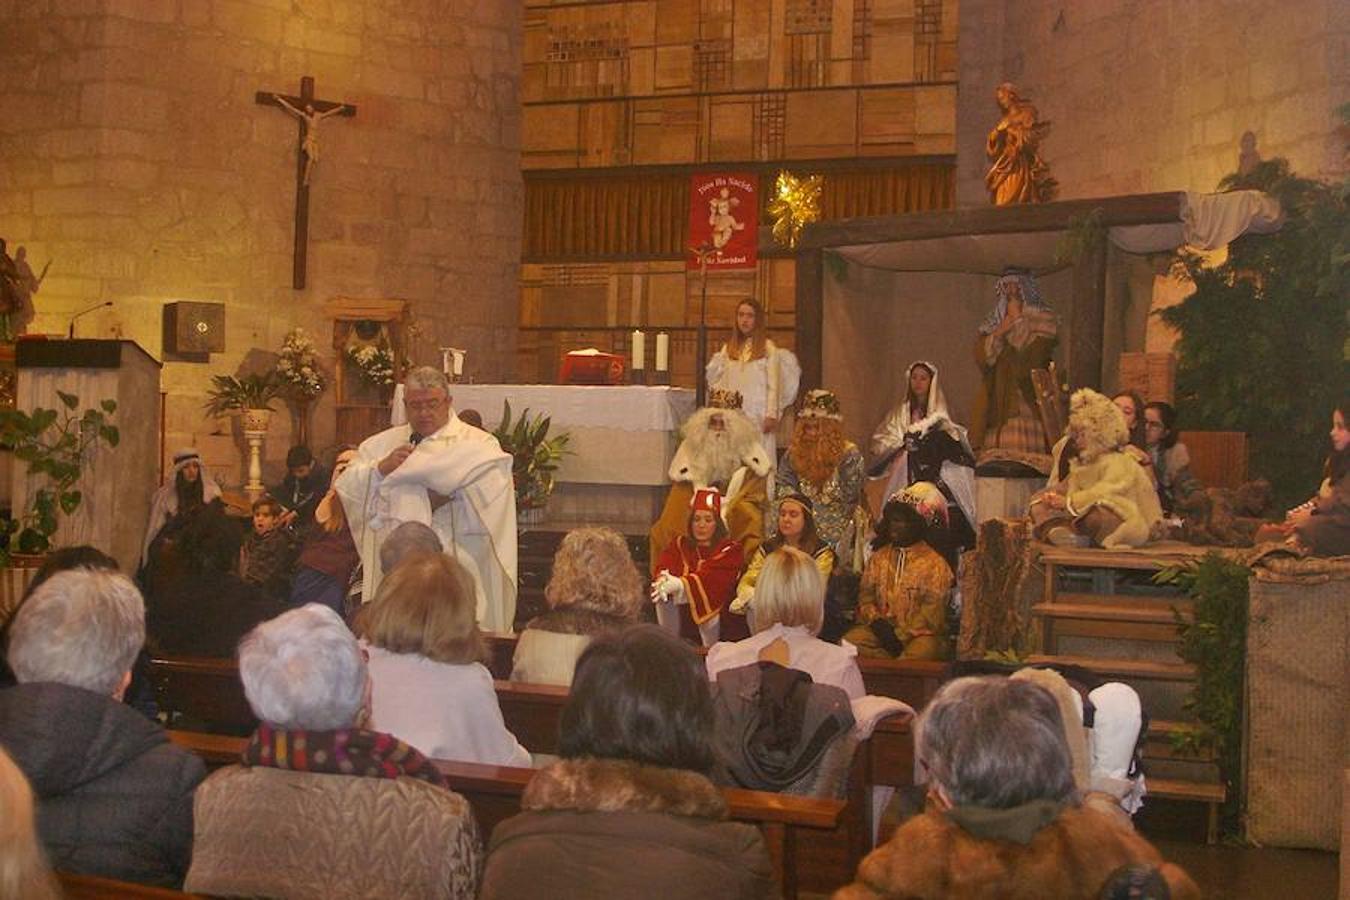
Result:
[733,460]
[1005,424]
[1070,854]
[1108,495]
[613,828]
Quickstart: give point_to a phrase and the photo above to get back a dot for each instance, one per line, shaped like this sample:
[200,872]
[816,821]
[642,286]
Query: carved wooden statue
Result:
[1017,174]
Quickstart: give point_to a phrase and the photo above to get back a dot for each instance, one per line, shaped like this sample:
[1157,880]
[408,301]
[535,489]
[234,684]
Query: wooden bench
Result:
[204,690]
[90,887]
[494,793]
[914,681]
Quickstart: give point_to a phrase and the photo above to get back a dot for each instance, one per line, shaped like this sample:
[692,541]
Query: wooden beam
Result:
[1137,209]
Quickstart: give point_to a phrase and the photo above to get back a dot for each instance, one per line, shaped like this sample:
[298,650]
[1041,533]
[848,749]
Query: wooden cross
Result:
[309,111]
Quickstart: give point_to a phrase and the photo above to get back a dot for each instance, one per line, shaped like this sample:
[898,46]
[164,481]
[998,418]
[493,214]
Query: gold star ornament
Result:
[795,204]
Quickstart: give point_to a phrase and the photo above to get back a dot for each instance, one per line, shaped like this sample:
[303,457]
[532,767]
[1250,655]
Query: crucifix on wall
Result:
[309,111]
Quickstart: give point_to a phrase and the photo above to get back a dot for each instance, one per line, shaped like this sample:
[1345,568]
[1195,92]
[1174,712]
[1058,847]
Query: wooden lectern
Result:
[117,482]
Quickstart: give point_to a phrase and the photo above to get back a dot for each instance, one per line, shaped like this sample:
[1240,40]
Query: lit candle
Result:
[662,351]
[639,350]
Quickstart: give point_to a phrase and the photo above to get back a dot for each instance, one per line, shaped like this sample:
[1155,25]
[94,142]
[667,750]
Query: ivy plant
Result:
[55,444]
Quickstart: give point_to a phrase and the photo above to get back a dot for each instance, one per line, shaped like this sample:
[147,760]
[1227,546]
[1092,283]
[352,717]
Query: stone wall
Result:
[136,159]
[1148,95]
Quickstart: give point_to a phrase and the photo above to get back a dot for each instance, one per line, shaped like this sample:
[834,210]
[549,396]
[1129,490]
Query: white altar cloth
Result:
[620,434]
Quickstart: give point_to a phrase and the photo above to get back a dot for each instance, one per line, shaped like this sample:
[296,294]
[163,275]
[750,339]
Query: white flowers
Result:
[374,364]
[297,365]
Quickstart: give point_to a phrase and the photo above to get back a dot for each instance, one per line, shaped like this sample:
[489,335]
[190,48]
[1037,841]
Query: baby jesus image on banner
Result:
[724,220]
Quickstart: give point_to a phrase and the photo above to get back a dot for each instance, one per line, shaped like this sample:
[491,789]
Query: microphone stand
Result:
[70,332]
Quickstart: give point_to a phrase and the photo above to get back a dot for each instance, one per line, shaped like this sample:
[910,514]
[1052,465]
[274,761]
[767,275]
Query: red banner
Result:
[724,220]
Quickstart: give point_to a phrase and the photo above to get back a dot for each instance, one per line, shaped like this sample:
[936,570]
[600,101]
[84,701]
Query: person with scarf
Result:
[902,601]
[319,805]
[697,572]
[1018,336]
[1004,817]
[918,441]
[175,503]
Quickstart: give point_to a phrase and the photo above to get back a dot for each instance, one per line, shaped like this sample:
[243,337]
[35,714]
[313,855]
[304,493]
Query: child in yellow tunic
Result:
[902,602]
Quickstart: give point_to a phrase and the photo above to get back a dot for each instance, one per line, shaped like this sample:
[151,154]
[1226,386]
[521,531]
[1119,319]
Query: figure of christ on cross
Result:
[309,111]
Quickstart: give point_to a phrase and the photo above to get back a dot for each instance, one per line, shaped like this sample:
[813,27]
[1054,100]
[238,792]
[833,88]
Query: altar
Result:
[622,441]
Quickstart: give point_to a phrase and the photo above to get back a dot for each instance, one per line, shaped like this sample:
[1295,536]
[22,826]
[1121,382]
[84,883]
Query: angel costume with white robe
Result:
[767,385]
[477,526]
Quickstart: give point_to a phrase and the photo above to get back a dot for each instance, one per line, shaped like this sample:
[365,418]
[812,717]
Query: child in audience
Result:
[267,558]
[902,602]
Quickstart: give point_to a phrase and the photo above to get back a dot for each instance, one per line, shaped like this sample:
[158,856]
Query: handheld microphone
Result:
[70,332]
[416,438]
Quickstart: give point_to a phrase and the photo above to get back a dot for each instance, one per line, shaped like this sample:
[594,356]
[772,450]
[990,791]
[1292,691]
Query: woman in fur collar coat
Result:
[629,811]
[1004,819]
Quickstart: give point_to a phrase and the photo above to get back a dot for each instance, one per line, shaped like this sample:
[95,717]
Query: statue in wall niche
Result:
[1017,174]
[311,117]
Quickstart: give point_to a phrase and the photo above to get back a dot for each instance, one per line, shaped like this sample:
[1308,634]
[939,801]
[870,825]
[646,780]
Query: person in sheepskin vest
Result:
[1107,499]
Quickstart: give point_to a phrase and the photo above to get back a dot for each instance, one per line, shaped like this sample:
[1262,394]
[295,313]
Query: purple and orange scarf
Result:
[347,751]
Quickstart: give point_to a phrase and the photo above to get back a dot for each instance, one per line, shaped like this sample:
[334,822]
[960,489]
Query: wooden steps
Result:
[1098,612]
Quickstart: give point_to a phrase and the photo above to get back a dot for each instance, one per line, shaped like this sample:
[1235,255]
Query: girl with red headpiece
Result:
[698,571]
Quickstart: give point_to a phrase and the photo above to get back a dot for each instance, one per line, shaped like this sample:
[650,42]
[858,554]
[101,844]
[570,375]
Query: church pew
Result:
[91,887]
[206,691]
[494,793]
[914,681]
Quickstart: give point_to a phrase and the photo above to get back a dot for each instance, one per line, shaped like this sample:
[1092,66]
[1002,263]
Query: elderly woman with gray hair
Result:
[114,797]
[1003,816]
[322,807]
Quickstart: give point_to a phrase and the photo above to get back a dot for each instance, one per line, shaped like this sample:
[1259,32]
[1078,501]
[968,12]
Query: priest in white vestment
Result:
[439,471]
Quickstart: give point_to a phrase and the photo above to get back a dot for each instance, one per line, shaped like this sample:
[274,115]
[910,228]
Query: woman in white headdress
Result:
[918,441]
[190,489]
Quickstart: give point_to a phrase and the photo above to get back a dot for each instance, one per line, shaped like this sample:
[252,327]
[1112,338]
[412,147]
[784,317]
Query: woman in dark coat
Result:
[629,811]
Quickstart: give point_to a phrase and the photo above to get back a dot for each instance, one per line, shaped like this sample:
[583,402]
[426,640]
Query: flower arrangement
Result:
[298,366]
[374,364]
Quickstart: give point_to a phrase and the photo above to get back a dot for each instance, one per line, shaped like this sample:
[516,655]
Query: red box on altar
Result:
[591,367]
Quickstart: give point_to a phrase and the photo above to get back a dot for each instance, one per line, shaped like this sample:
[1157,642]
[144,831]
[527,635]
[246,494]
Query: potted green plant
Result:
[251,396]
[55,444]
[535,457]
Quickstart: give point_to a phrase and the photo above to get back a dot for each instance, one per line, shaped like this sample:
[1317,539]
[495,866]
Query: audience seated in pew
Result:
[23,866]
[322,807]
[114,796]
[1004,817]
[629,810]
[594,589]
[429,687]
[788,610]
